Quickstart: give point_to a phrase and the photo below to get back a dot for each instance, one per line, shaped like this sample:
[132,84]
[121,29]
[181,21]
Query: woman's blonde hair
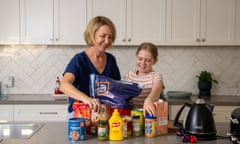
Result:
[94,25]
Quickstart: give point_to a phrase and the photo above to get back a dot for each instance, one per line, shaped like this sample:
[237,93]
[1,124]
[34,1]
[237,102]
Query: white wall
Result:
[35,68]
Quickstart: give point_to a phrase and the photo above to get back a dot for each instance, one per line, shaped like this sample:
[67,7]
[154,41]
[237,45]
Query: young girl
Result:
[152,81]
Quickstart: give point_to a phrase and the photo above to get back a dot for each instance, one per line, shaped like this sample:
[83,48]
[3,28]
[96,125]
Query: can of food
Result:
[139,112]
[150,126]
[76,129]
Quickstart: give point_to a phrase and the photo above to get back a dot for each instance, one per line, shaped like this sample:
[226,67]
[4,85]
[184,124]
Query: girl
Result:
[152,81]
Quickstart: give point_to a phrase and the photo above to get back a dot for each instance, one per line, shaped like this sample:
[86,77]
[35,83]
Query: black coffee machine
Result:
[198,120]
[235,126]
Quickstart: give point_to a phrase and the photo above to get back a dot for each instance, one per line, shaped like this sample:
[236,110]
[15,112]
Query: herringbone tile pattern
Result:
[35,68]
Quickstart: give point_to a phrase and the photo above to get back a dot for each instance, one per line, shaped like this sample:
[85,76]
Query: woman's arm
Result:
[68,89]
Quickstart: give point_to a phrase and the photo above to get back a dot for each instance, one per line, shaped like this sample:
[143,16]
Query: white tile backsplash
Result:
[35,68]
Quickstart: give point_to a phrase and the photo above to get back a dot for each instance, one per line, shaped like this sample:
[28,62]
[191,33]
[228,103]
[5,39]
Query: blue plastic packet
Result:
[112,92]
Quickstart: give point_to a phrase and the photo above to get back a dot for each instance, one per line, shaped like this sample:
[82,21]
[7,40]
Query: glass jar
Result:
[102,130]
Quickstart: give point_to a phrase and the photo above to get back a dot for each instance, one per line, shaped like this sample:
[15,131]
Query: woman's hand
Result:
[94,103]
[149,107]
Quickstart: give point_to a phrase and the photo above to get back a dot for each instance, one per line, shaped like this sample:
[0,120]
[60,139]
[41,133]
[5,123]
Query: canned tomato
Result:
[139,112]
[76,129]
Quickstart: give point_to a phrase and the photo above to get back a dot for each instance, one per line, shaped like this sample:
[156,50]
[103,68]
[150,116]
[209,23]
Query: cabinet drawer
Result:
[40,112]
[6,113]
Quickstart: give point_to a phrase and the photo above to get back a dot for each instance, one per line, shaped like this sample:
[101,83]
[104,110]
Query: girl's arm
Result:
[154,95]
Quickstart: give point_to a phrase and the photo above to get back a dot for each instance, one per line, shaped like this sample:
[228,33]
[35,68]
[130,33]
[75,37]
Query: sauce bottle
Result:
[115,126]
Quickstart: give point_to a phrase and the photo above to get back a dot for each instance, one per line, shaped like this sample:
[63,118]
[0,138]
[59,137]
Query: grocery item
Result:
[113,92]
[150,125]
[127,126]
[102,130]
[139,112]
[76,129]
[57,87]
[115,126]
[136,125]
[162,117]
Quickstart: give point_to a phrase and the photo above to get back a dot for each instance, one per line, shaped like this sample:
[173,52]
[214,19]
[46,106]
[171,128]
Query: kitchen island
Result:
[56,133]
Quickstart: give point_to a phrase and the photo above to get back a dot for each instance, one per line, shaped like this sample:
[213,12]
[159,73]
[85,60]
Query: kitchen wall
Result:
[35,68]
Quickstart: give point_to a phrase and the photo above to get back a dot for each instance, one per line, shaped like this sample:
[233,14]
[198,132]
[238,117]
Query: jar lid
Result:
[136,117]
[148,116]
[102,122]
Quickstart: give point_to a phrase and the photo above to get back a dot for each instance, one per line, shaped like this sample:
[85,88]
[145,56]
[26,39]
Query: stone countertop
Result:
[56,133]
[31,99]
[216,100]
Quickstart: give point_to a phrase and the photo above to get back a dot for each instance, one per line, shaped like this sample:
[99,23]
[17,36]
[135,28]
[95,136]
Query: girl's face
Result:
[103,38]
[144,61]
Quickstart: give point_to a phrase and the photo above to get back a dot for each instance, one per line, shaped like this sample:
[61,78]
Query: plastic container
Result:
[115,126]
[150,126]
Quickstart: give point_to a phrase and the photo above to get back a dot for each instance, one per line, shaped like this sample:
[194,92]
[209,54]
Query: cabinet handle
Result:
[48,113]
[129,40]
[56,39]
[203,40]
[124,40]
[198,40]
[51,39]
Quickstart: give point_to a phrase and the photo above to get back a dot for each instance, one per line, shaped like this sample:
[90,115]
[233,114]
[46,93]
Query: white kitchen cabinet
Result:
[6,113]
[200,22]
[9,25]
[222,113]
[173,110]
[41,112]
[136,21]
[53,21]
[238,23]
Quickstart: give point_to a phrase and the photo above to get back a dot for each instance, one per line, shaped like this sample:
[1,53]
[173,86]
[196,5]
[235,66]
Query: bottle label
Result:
[115,124]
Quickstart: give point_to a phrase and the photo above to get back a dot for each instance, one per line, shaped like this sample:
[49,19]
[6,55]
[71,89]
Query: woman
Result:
[99,35]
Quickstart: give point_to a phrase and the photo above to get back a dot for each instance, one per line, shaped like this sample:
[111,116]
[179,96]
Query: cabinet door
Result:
[136,21]
[69,21]
[173,110]
[146,21]
[238,23]
[37,22]
[9,25]
[113,9]
[183,22]
[200,22]
[40,112]
[223,113]
[6,113]
[217,22]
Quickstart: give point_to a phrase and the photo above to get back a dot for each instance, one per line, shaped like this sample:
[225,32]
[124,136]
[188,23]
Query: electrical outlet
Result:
[9,81]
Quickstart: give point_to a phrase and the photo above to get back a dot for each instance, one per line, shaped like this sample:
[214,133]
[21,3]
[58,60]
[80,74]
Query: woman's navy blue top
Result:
[81,67]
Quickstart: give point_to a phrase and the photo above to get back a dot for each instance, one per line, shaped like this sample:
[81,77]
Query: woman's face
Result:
[144,61]
[103,38]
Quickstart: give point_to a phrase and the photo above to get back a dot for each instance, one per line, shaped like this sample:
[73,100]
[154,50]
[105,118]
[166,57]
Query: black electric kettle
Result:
[198,120]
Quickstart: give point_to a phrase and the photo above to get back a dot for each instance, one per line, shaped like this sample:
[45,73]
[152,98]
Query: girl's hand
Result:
[149,107]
